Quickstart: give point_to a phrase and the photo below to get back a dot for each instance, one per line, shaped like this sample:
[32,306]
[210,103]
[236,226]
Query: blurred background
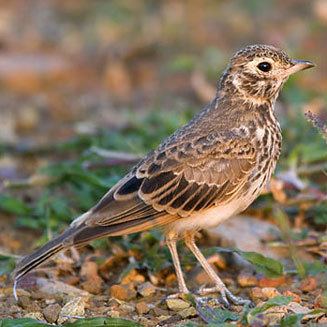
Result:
[79,78]
[69,64]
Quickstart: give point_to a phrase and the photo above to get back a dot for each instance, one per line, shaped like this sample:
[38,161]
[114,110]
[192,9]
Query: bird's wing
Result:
[179,179]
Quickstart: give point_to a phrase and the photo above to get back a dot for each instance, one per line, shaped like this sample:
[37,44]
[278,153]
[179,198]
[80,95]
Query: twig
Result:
[4,253]
[112,158]
[307,170]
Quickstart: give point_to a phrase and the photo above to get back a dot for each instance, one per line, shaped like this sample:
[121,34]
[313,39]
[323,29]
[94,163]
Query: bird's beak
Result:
[299,65]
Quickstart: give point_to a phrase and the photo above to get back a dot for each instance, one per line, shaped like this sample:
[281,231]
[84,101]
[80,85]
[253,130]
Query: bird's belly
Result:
[211,217]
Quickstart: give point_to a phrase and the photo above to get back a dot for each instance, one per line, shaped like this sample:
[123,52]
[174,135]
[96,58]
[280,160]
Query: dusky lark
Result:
[207,171]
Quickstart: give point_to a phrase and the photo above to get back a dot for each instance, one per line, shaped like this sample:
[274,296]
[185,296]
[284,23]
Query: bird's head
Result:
[259,71]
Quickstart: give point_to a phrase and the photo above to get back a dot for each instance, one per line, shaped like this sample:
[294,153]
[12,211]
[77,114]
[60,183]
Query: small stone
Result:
[29,305]
[217,260]
[142,308]
[127,308]
[93,286]
[35,315]
[272,282]
[163,318]
[247,280]
[308,284]
[57,288]
[295,297]
[146,289]
[122,292]
[92,282]
[170,279]
[187,312]
[133,276]
[270,292]
[147,322]
[177,304]
[51,313]
[256,294]
[160,312]
[153,279]
[73,308]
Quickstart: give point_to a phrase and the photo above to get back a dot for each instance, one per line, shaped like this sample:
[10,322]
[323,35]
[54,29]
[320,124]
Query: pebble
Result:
[246,280]
[56,288]
[269,292]
[170,279]
[160,312]
[187,312]
[92,281]
[153,279]
[51,313]
[217,260]
[93,286]
[73,308]
[256,294]
[123,292]
[142,308]
[133,276]
[177,304]
[127,308]
[35,315]
[146,289]
[26,303]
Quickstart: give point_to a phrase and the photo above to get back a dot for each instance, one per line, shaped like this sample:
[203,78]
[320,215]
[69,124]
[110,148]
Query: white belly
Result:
[216,215]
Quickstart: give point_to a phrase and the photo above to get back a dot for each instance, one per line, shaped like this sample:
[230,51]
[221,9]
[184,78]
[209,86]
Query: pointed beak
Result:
[299,65]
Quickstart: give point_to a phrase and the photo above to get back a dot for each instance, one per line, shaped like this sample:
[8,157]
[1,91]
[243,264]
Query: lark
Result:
[207,171]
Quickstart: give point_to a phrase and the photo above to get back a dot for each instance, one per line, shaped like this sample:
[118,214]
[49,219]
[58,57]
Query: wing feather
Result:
[179,180]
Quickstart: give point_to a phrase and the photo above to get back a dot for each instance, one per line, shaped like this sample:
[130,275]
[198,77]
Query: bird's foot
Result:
[226,295]
[181,294]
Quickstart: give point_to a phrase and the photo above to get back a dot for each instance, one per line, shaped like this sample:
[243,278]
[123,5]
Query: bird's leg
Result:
[171,239]
[219,285]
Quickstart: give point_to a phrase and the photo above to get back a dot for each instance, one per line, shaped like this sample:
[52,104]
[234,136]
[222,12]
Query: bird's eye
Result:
[264,66]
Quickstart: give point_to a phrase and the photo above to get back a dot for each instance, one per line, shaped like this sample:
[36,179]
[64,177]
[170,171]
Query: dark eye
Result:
[264,66]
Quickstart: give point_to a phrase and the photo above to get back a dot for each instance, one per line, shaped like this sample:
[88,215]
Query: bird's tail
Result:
[33,260]
[81,234]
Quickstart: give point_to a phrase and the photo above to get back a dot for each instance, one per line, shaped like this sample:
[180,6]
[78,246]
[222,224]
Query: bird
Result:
[208,170]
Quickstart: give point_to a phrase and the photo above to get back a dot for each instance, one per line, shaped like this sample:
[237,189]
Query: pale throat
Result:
[254,99]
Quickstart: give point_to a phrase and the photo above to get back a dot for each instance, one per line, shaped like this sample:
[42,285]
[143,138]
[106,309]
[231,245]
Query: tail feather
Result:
[41,255]
[80,235]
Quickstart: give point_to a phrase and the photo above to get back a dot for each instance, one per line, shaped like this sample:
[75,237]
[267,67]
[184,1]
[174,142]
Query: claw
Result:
[237,299]
[14,290]
[226,296]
